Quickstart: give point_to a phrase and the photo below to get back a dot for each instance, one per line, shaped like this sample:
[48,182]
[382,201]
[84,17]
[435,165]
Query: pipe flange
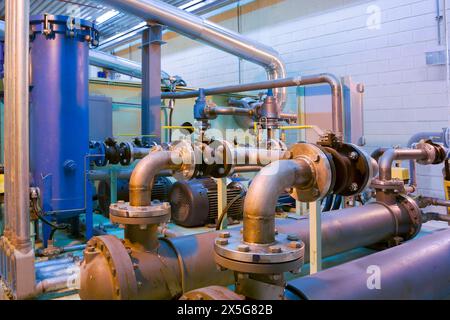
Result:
[187,157]
[414,213]
[219,159]
[436,154]
[323,171]
[123,213]
[126,156]
[120,266]
[229,245]
[394,185]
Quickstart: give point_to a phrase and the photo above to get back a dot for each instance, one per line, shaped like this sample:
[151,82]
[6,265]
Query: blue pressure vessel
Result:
[59,114]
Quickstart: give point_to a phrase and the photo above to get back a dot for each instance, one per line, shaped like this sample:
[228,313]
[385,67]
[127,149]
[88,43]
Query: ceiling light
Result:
[106,16]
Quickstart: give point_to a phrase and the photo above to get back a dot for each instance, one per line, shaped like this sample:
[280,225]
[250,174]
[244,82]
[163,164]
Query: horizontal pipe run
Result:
[336,92]
[247,169]
[416,270]
[104,175]
[53,262]
[342,231]
[202,30]
[434,216]
[229,111]
[118,64]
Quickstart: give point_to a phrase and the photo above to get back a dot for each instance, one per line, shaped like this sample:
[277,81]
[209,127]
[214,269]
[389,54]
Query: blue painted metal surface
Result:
[59,113]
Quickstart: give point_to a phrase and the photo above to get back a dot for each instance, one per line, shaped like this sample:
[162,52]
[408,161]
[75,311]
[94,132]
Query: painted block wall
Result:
[379,43]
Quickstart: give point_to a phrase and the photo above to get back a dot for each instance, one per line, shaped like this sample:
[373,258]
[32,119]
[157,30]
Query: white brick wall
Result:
[404,95]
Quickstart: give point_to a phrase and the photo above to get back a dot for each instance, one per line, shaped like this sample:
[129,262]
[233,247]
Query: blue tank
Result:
[59,114]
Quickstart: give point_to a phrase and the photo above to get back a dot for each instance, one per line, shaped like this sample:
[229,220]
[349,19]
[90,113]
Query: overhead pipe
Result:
[118,64]
[417,270]
[204,31]
[324,78]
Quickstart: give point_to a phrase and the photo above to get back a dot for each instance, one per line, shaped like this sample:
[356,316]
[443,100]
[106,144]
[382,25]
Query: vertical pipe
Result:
[315,237]
[222,201]
[16,122]
[151,83]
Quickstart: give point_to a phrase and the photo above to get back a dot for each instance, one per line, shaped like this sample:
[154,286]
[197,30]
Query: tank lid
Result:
[73,27]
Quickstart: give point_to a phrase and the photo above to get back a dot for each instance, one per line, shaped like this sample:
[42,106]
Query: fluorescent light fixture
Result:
[186,6]
[106,16]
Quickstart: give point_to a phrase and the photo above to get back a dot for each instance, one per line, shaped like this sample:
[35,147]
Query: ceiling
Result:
[91,10]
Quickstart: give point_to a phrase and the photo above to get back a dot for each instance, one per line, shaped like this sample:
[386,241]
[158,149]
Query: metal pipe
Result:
[262,197]
[17,167]
[229,111]
[52,262]
[53,284]
[429,201]
[103,175]
[388,157]
[209,33]
[416,270]
[436,137]
[144,173]
[434,216]
[189,260]
[335,84]
[244,156]
[121,65]
[246,169]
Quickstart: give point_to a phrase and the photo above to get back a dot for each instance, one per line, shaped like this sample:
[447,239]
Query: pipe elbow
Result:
[262,197]
[144,174]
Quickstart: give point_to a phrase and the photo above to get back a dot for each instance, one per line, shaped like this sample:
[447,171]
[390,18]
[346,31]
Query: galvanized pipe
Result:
[17,167]
[207,32]
[416,270]
[263,194]
[118,64]
[324,78]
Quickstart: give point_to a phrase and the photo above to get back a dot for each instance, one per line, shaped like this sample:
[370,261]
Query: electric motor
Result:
[160,191]
[194,203]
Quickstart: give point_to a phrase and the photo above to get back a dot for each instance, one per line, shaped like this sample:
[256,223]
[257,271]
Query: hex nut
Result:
[295,245]
[222,242]
[275,249]
[243,248]
[225,235]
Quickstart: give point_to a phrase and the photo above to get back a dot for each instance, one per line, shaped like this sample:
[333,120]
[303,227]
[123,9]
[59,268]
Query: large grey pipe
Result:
[207,32]
[416,270]
[118,64]
[17,167]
